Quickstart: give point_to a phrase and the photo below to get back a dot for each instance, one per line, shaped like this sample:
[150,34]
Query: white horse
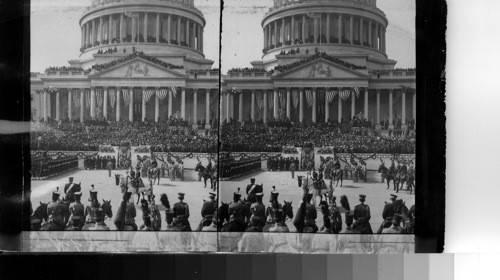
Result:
[317,188]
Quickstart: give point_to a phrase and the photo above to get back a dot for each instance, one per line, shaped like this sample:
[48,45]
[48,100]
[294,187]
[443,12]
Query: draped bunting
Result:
[99,97]
[330,95]
[295,97]
[356,90]
[126,97]
[87,99]
[282,96]
[270,98]
[174,91]
[309,97]
[147,94]
[112,97]
[258,96]
[76,99]
[344,94]
[161,93]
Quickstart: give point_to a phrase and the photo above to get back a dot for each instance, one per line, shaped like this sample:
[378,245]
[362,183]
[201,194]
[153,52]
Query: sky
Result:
[241,37]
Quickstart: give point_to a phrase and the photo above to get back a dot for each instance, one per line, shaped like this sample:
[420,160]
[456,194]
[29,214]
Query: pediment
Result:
[321,69]
[138,68]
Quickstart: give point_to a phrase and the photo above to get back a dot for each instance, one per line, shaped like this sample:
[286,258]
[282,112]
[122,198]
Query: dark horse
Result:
[224,220]
[287,212]
[106,212]
[400,209]
[338,175]
[39,217]
[387,175]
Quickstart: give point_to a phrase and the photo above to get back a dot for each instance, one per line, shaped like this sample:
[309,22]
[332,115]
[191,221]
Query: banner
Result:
[161,93]
[147,94]
[99,97]
[295,98]
[309,98]
[344,94]
[258,96]
[112,97]
[282,96]
[76,99]
[330,95]
[126,96]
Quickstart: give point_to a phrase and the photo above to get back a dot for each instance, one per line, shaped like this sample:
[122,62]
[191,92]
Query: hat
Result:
[212,194]
[362,196]
[252,179]
[78,194]
[181,194]
[56,194]
[236,196]
[70,178]
[259,194]
[394,196]
[274,195]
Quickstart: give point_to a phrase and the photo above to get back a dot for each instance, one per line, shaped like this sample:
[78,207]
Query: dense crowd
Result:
[171,136]
[257,137]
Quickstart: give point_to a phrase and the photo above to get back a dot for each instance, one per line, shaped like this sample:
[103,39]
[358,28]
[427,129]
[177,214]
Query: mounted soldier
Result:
[253,189]
[310,215]
[235,211]
[362,216]
[71,188]
[99,221]
[76,209]
[273,206]
[388,213]
[91,207]
[207,211]
[258,210]
[335,217]
[55,211]
[395,227]
[200,169]
[181,214]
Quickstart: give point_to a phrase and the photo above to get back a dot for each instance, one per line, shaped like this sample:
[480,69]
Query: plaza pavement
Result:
[376,192]
[195,193]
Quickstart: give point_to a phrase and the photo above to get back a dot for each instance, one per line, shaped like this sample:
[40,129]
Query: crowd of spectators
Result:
[100,67]
[167,136]
[272,137]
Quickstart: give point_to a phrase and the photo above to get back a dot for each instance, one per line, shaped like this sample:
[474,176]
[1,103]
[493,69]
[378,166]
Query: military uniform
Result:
[258,211]
[310,216]
[208,211]
[362,217]
[76,209]
[71,188]
[236,210]
[181,214]
[55,211]
[253,189]
[293,168]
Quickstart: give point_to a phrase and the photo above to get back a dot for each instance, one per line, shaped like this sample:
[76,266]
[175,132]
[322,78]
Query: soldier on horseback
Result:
[99,220]
[76,209]
[253,189]
[181,214]
[55,210]
[395,228]
[258,210]
[92,205]
[273,206]
[71,188]
[208,211]
[310,215]
[335,217]
[362,216]
[235,211]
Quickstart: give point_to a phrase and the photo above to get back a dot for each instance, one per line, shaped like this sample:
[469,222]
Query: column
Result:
[70,104]
[110,29]
[82,103]
[353,104]
[391,125]
[170,100]
[187,33]
[303,28]
[183,103]
[169,38]
[288,103]
[265,36]
[105,104]
[327,28]
[134,29]
[195,106]
[118,103]
[201,39]
[327,109]
[143,104]
[157,106]
[301,104]
[240,107]
[283,30]
[45,117]
[86,40]
[370,33]
[252,113]
[276,33]
[316,31]
[361,31]
[82,42]
[264,117]
[58,106]
[93,33]
[275,103]
[414,106]
[121,28]
[340,109]
[101,33]
[377,35]
[340,28]
[178,30]
[131,104]
[92,102]
[292,30]
[378,126]
[157,27]
[145,27]
[366,103]
[314,106]
[351,29]
[228,100]
[207,106]
[403,109]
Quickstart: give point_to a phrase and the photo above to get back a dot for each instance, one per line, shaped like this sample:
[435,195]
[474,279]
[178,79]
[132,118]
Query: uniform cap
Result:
[236,195]
[181,194]
[70,178]
[259,194]
[212,194]
[362,196]
[252,180]
[78,194]
[394,196]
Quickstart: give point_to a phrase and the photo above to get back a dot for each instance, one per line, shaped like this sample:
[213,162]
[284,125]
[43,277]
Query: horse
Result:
[287,213]
[120,214]
[107,212]
[400,209]
[337,175]
[222,215]
[317,188]
[39,217]
[201,170]
[387,175]
[399,180]
[154,175]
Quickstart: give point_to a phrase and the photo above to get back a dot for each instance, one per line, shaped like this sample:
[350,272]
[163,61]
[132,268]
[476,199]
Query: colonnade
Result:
[331,28]
[281,99]
[99,98]
[142,27]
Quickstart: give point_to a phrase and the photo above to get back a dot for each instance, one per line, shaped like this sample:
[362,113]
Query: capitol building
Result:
[139,60]
[322,60]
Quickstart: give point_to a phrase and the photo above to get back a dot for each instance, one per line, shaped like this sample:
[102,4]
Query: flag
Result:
[344,94]
[161,93]
[309,98]
[330,95]
[295,98]
[112,97]
[126,97]
[147,94]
